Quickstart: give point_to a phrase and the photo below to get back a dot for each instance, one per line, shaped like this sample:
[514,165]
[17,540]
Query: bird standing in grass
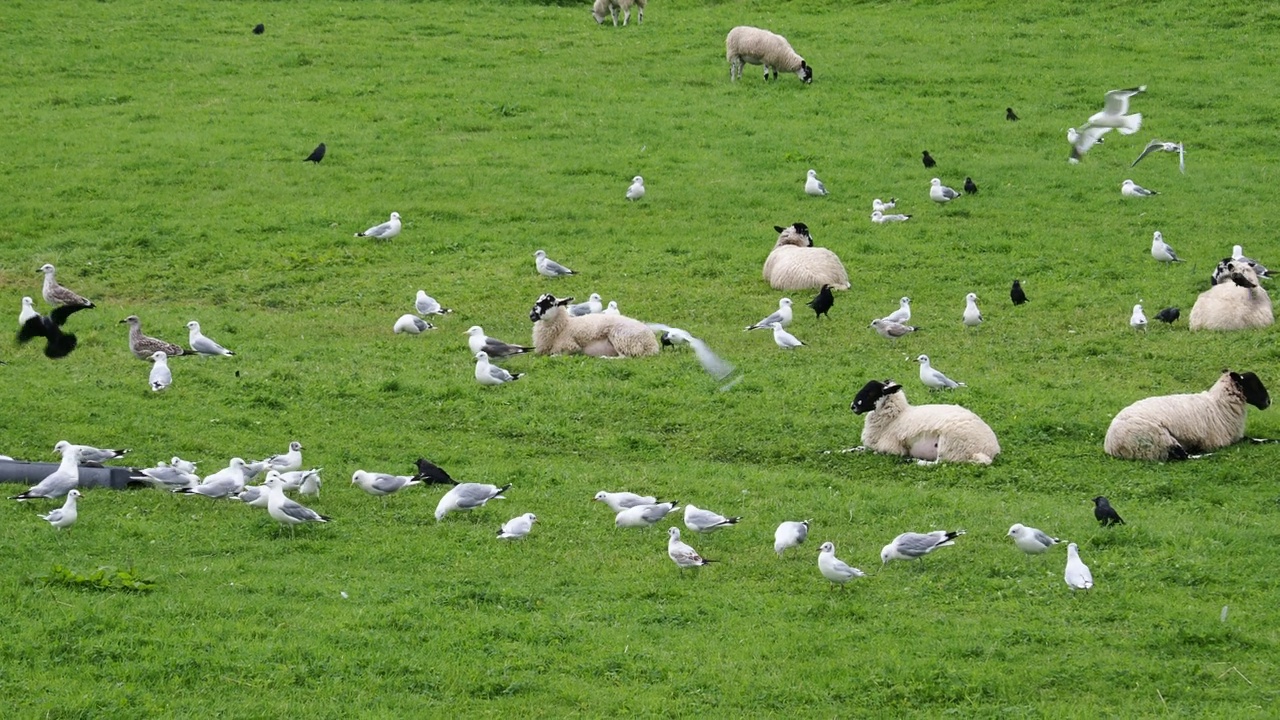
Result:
[891,330]
[490,374]
[970,186]
[823,303]
[385,231]
[705,521]
[1138,319]
[1077,573]
[833,568]
[940,193]
[903,313]
[57,295]
[1016,293]
[469,496]
[1106,514]
[1010,115]
[636,190]
[927,159]
[1168,315]
[814,186]
[161,377]
[1030,540]
[790,534]
[548,267]
[934,379]
[972,315]
[316,155]
[1161,250]
[203,346]
[518,527]
[286,511]
[143,346]
[782,315]
[259,29]
[1129,188]
[681,554]
[784,339]
[66,515]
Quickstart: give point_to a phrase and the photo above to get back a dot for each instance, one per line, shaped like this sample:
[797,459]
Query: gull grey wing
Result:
[387,484]
[498,373]
[557,268]
[1151,147]
[379,231]
[300,513]
[712,363]
[473,495]
[915,544]
[1043,539]
[496,348]
[207,346]
[1117,101]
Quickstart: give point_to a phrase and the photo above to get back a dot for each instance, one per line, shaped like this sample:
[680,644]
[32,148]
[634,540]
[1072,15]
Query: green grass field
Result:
[152,152]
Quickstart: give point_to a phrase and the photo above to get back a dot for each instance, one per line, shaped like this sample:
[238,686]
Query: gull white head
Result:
[935,182]
[395,216]
[923,359]
[674,533]
[482,356]
[1014,529]
[637,180]
[540,254]
[46,268]
[193,326]
[784,302]
[159,356]
[475,330]
[971,297]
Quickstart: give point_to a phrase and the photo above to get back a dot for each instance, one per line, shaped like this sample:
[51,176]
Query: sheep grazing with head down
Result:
[1235,302]
[928,433]
[1173,427]
[751,45]
[609,8]
[795,264]
[555,332]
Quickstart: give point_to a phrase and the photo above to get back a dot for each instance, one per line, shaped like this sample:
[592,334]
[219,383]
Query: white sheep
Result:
[795,264]
[1172,427]
[928,433]
[1236,302]
[555,332]
[609,8]
[745,44]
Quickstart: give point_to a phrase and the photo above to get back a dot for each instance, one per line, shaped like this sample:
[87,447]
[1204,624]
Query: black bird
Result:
[1168,314]
[928,159]
[970,186]
[259,29]
[430,473]
[1015,293]
[57,343]
[1010,115]
[822,303]
[1106,514]
[316,155]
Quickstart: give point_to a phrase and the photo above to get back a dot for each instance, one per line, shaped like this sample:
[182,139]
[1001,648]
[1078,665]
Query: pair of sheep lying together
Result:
[1169,427]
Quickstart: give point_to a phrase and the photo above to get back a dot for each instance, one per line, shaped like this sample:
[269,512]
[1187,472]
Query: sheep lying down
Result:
[556,332]
[927,433]
[1175,427]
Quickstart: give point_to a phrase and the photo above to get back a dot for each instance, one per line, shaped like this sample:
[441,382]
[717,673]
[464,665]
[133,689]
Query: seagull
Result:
[970,187]
[902,314]
[310,483]
[1030,540]
[933,379]
[1016,294]
[182,465]
[167,477]
[882,206]
[489,374]
[432,474]
[316,155]
[516,528]
[1159,146]
[592,306]
[1237,253]
[681,554]
[56,295]
[253,496]
[469,496]
[1112,116]
[1105,514]
[881,218]
[1129,188]
[286,511]
[612,309]
[427,305]
[89,455]
[33,325]
[27,312]
[940,193]
[790,534]
[636,190]
[833,568]
[644,515]
[1168,315]
[259,29]
[814,186]
[912,546]
[927,159]
[203,346]
[781,315]
[59,482]
[972,315]
[288,461]
[784,339]
[412,324]
[823,302]
[221,484]
[1161,250]
[705,521]
[619,501]
[161,377]
[479,342]
[892,330]
[1010,115]
[66,515]
[548,267]
[382,484]
[1077,574]
[385,231]
[1138,320]
[144,347]
[712,363]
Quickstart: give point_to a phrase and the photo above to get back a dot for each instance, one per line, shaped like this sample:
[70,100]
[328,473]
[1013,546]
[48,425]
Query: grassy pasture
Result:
[152,151]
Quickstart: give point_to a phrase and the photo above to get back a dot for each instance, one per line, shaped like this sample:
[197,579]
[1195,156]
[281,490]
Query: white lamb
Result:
[795,264]
[928,433]
[609,8]
[745,44]
[555,332]
[1173,427]
[1236,302]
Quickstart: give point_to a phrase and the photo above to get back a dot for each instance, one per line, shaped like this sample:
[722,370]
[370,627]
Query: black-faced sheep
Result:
[1172,427]
[752,45]
[1235,302]
[555,332]
[928,433]
[795,264]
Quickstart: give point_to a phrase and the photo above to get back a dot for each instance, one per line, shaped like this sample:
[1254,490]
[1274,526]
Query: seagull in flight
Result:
[1113,116]
[1169,147]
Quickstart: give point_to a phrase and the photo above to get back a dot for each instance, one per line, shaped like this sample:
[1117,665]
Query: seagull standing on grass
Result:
[221,484]
[1077,574]
[490,374]
[619,501]
[880,218]
[1237,253]
[940,193]
[161,377]
[681,554]
[1161,250]
[644,515]
[902,314]
[144,347]
[784,339]
[891,330]
[782,315]
[833,568]
[933,379]
[1129,188]
[57,295]
[89,455]
[972,315]
[495,348]
[412,324]
[469,496]
[385,231]
[636,191]
[427,305]
[1160,146]
[66,515]
[548,267]
[59,482]
[167,477]
[814,186]
[203,346]
[286,511]
[287,461]
[518,527]
[381,484]
[1138,320]
[1030,540]
[790,534]
[705,521]
[913,546]
[1112,116]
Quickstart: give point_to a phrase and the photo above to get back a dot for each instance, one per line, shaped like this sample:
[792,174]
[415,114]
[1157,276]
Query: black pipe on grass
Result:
[30,473]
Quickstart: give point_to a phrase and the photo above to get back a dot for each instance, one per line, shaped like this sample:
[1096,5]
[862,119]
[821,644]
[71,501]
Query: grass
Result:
[153,153]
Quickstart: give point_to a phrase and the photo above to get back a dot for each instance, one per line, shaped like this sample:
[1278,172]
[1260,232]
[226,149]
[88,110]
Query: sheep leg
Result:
[626,17]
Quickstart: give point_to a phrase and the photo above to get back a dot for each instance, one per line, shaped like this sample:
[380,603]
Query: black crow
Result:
[970,186]
[928,159]
[1010,115]
[1015,293]
[259,29]
[316,155]
[822,303]
[1106,514]
[429,473]
[57,343]
[1168,314]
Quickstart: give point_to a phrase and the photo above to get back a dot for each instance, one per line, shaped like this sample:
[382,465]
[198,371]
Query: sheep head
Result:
[545,305]
[806,73]
[869,397]
[1255,393]
[796,234]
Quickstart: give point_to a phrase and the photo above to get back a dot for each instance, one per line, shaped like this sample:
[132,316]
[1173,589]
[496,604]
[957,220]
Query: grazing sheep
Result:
[752,45]
[1240,304]
[1172,427]
[555,332]
[928,433]
[795,264]
[609,8]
